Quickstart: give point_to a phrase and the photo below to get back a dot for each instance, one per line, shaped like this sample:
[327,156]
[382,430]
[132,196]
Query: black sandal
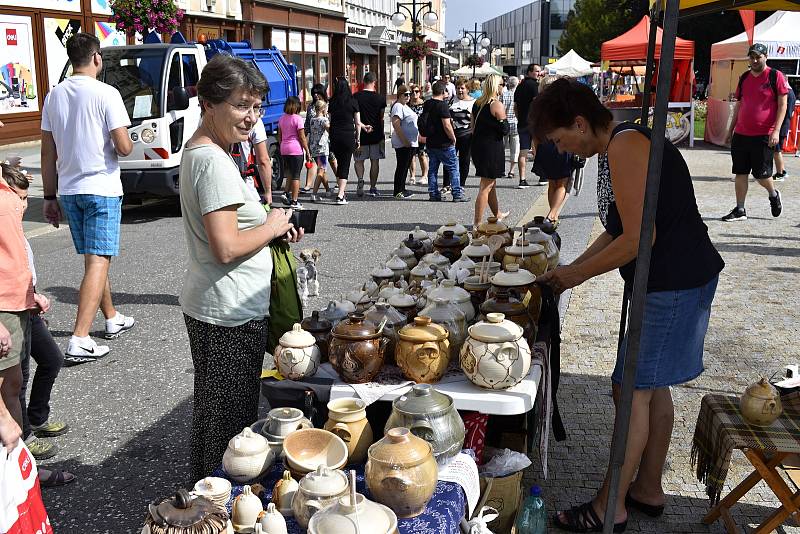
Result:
[583,518]
[647,509]
[57,478]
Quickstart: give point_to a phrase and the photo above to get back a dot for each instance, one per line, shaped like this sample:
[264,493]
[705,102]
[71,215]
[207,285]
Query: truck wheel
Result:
[277,167]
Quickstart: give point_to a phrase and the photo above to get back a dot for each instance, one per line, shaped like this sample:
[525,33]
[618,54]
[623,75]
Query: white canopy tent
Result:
[480,72]
[570,64]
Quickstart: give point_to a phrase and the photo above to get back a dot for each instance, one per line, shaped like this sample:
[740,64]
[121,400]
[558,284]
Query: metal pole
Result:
[474,47]
[622,420]
[650,65]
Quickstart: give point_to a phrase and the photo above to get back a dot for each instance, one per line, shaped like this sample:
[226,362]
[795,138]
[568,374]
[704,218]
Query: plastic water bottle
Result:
[533,519]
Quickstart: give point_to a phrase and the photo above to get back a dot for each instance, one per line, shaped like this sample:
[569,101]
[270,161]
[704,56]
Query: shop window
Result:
[323,70]
[297,59]
[308,74]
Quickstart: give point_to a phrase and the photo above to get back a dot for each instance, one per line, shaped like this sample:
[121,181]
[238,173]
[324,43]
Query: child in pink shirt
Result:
[294,149]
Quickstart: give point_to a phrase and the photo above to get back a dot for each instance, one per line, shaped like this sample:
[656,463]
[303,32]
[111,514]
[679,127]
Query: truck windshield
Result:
[136,74]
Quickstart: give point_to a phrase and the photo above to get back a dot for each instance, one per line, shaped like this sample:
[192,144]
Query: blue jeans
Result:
[446,156]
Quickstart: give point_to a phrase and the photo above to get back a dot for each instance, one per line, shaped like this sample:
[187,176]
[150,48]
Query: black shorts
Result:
[551,164]
[751,154]
[292,166]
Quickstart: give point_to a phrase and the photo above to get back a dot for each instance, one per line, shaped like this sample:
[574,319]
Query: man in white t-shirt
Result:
[84,130]
[255,154]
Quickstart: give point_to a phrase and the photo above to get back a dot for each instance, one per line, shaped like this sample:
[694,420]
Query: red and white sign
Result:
[11,37]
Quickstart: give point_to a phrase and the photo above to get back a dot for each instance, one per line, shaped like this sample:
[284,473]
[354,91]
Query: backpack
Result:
[773,82]
[424,122]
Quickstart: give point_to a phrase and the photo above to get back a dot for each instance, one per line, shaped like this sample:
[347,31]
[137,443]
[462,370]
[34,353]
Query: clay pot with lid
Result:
[478,249]
[760,403]
[248,456]
[421,272]
[405,254]
[357,349]
[415,245]
[457,296]
[518,281]
[394,321]
[399,268]
[360,299]
[347,418]
[444,313]
[459,231]
[424,238]
[529,256]
[465,262]
[432,416]
[297,355]
[437,261]
[405,304]
[536,235]
[317,490]
[513,310]
[387,290]
[382,274]
[347,517]
[336,311]
[496,355]
[401,472]
[184,514]
[423,351]
[449,246]
[321,330]
[245,511]
[492,227]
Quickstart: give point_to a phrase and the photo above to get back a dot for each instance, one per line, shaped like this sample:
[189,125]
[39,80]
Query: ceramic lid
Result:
[524,248]
[412,242]
[495,329]
[474,282]
[382,271]
[248,443]
[324,481]
[457,229]
[477,249]
[422,399]
[358,296]
[355,328]
[402,300]
[399,447]
[403,251]
[536,235]
[388,292]
[762,390]
[344,517]
[513,276]
[448,238]
[382,310]
[422,269]
[297,338]
[435,258]
[315,323]
[450,291]
[423,330]
[396,264]
[492,226]
[422,235]
[464,262]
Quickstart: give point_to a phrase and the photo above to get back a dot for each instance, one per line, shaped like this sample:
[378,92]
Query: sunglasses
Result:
[416,90]
[406,94]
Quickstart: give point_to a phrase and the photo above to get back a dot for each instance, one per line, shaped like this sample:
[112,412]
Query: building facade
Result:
[437,63]
[528,34]
[372,43]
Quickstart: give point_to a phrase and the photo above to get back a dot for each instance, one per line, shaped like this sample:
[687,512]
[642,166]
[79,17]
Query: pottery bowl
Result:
[308,448]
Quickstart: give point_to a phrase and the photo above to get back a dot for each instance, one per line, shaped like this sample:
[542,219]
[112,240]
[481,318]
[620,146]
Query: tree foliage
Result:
[591,22]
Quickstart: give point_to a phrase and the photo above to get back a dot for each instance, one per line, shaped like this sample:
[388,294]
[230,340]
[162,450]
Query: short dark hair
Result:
[14,177]
[225,74]
[319,90]
[560,103]
[292,105]
[439,88]
[81,47]
[369,78]
[532,67]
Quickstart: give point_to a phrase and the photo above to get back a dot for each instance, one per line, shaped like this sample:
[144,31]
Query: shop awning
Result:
[360,46]
[392,50]
[451,59]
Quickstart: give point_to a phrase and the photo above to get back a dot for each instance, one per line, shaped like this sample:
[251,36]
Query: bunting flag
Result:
[749,21]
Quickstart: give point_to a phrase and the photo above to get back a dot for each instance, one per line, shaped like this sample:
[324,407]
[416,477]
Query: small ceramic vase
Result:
[449,246]
[245,512]
[405,304]
[405,254]
[457,296]
[272,521]
[321,330]
[317,490]
[247,457]
[297,355]
[423,351]
[529,256]
[382,274]
[398,267]
[443,313]
[337,310]
[394,321]
[761,403]
[347,418]
[346,517]
[357,349]
[496,355]
[459,230]
[401,472]
[283,493]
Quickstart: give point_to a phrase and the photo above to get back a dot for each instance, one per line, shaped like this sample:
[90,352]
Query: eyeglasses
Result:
[243,109]
[416,90]
[406,94]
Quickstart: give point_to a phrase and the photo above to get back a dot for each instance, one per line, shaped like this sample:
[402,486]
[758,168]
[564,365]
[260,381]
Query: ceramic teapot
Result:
[442,312]
[449,246]
[347,418]
[321,330]
[529,256]
[245,511]
[401,472]
[347,517]
[248,456]
[271,521]
[761,403]
[423,351]
[459,231]
[337,310]
[357,349]
[283,493]
[185,514]
[392,320]
[457,296]
[297,355]
[317,490]
[496,355]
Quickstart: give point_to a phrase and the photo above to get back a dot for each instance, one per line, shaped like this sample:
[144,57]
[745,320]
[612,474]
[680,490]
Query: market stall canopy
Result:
[780,32]
[631,47]
[480,72]
[570,64]
[361,46]
[450,59]
[700,7]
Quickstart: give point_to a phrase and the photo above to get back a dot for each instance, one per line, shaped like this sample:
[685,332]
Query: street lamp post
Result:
[414,10]
[475,38]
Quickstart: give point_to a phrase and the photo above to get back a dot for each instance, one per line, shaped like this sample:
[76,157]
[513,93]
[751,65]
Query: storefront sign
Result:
[382,35]
[433,45]
[783,50]
[101,7]
[357,30]
[60,5]
[279,39]
[331,5]
[295,42]
[310,42]
[56,33]
[18,93]
[324,44]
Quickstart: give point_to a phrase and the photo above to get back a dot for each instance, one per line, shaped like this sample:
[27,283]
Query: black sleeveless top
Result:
[683,256]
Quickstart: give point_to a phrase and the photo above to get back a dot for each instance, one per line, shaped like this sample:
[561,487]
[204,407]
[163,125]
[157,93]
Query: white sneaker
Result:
[86,348]
[117,325]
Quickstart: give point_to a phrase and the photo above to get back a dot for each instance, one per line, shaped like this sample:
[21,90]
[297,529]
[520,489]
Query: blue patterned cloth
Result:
[442,515]
[94,223]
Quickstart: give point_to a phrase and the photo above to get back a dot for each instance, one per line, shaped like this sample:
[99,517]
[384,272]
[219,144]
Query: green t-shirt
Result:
[225,295]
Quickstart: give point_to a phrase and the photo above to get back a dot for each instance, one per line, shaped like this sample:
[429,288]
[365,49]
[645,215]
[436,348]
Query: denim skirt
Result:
[674,328]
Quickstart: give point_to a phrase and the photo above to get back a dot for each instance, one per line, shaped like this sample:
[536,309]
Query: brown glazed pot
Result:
[513,309]
[357,349]
[416,245]
[493,227]
[449,246]
[423,351]
[321,330]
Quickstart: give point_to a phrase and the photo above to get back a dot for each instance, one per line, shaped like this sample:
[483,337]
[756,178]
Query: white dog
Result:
[307,281]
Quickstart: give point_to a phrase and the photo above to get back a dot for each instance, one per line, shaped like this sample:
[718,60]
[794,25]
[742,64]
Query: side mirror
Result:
[180,98]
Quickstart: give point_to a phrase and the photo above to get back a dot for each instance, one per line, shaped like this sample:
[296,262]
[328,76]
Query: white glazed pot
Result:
[245,512]
[496,355]
[343,517]
[248,456]
[271,521]
[297,356]
[281,422]
[317,490]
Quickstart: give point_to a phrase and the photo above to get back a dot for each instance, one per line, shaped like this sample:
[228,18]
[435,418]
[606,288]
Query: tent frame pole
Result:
[655,14]
[642,275]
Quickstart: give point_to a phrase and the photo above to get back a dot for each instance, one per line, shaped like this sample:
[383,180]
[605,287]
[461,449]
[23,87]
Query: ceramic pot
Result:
[382,274]
[245,511]
[432,416]
[174,513]
[496,355]
[405,304]
[761,403]
[512,309]
[518,281]
[380,312]
[272,521]
[401,472]
[529,256]
[493,227]
[336,311]
[437,261]
[399,268]
[457,296]
[297,355]
[317,490]
[415,245]
[449,246]
[443,313]
[370,288]
[321,330]
[283,493]
[459,231]
[280,422]
[360,299]
[537,236]
[387,290]
[478,250]
[421,272]
[345,517]
[424,238]
[247,457]
[405,254]
[465,262]
[423,351]
[477,291]
[347,418]
[357,349]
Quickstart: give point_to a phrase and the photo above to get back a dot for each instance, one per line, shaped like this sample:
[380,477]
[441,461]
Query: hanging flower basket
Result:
[131,16]
[474,61]
[414,51]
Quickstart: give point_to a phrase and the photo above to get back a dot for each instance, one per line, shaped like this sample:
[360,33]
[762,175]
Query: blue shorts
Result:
[321,160]
[671,346]
[94,222]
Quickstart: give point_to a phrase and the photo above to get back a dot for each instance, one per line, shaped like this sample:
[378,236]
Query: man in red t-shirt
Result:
[756,127]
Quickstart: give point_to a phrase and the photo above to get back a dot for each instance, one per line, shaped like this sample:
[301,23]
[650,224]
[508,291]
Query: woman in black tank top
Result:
[679,293]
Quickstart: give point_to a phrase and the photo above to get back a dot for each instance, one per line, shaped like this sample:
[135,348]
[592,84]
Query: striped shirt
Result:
[507,98]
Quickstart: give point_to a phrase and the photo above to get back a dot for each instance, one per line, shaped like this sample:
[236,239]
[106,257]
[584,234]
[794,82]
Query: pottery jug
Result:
[423,351]
[496,355]
[529,256]
[421,272]
[405,254]
[443,313]
[393,321]
[401,472]
[184,513]
[297,355]
[512,309]
[347,418]
[399,268]
[321,330]
[272,521]
[459,231]
[361,517]
[761,403]
[337,310]
[536,235]
[405,304]
[283,493]
[457,296]
[432,416]
[449,246]
[317,490]
[357,349]
[248,456]
[382,274]
[280,422]
[245,512]
[415,245]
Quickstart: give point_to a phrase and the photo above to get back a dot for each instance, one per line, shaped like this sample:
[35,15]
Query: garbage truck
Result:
[158,84]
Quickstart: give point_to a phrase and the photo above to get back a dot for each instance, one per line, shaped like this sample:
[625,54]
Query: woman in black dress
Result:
[345,131]
[488,155]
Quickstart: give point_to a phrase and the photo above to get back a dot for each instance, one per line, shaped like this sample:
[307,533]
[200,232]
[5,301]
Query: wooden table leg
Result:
[778,487]
[727,520]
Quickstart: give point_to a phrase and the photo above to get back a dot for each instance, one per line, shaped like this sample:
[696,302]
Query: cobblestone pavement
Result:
[752,333]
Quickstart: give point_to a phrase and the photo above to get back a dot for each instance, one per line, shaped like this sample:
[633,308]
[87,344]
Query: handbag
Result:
[21,507]
[285,307]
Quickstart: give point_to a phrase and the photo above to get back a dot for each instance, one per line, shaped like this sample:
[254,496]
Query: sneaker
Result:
[41,449]
[295,205]
[779,176]
[373,192]
[314,198]
[737,214]
[50,429]
[305,190]
[510,176]
[286,199]
[542,181]
[445,190]
[523,184]
[775,204]
[434,198]
[341,201]
[461,198]
[403,195]
[360,189]
[116,326]
[86,348]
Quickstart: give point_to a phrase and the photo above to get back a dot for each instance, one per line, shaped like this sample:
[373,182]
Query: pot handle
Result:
[313,507]
[422,429]
[395,481]
[290,355]
[304,423]
[772,406]
[342,430]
